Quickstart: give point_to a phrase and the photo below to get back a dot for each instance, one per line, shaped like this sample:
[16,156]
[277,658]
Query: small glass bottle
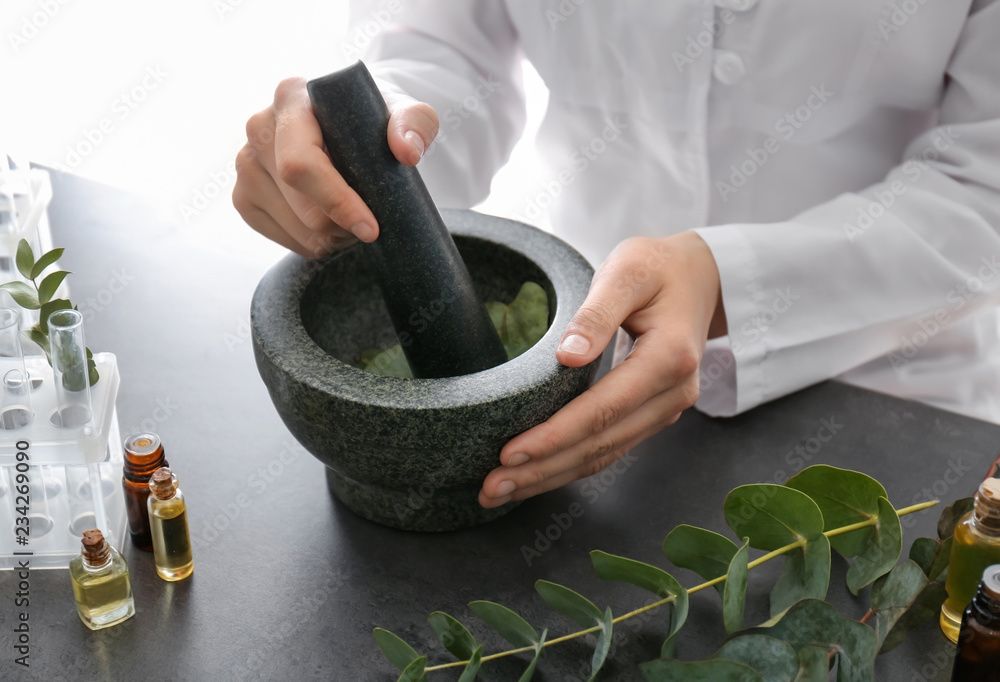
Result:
[168,521]
[143,455]
[976,545]
[100,583]
[978,657]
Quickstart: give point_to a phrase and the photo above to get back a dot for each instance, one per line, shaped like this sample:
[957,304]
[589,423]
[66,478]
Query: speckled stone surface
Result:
[414,260]
[412,454]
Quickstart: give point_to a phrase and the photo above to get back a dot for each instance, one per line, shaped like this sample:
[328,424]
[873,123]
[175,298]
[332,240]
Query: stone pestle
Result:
[440,321]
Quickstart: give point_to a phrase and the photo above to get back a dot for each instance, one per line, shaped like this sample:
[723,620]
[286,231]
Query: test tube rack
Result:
[73,475]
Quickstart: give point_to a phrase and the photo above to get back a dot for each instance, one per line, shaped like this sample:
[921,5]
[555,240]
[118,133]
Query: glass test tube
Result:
[69,367]
[15,388]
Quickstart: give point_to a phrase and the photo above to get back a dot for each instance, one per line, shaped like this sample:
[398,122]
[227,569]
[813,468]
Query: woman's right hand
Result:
[288,190]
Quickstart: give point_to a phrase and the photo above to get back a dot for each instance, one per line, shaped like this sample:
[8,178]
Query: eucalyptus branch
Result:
[870,521]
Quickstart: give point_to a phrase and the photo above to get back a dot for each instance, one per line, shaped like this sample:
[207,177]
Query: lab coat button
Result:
[736,5]
[728,67]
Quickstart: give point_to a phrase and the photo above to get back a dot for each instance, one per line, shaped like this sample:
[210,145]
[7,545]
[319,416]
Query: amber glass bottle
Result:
[978,657]
[143,455]
[976,545]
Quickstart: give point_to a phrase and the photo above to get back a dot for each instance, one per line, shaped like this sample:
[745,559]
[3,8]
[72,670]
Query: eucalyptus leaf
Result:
[526,320]
[735,593]
[951,515]
[844,497]
[455,637]
[931,555]
[812,622]
[570,603]
[390,362]
[472,668]
[602,646]
[48,308]
[805,575]
[814,664]
[520,325]
[45,261]
[41,339]
[881,552]
[47,289]
[508,624]
[656,580]
[706,553]
[399,653]
[772,516]
[901,600]
[24,258]
[530,670]
[774,660]
[23,294]
[712,670]
[414,672]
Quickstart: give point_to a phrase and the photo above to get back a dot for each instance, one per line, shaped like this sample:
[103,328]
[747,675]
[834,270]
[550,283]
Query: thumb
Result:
[591,329]
[413,126]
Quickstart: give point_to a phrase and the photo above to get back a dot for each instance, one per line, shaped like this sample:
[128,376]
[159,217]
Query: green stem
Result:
[871,521]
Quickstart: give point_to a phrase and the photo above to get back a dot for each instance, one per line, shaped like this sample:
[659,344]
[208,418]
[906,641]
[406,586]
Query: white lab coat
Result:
[840,157]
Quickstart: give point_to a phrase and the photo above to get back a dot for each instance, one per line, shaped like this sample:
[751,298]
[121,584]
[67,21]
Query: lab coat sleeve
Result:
[463,59]
[864,274]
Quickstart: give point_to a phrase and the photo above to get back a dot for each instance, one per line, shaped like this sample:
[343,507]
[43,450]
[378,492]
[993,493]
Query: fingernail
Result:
[575,344]
[505,488]
[363,231]
[517,459]
[415,141]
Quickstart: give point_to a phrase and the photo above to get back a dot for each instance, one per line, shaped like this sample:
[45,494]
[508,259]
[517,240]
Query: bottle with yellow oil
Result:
[976,545]
[169,526]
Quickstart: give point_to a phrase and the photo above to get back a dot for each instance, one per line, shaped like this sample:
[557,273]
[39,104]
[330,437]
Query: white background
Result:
[66,66]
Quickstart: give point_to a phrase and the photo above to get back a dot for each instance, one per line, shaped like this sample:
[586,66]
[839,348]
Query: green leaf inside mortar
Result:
[520,325]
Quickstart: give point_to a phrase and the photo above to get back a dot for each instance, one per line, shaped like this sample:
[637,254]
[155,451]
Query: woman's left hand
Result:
[666,294]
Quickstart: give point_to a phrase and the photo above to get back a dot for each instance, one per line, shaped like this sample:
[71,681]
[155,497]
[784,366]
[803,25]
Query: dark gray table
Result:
[288,584]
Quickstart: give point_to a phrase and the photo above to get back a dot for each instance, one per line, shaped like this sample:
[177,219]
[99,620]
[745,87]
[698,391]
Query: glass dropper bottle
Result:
[143,455]
[975,546]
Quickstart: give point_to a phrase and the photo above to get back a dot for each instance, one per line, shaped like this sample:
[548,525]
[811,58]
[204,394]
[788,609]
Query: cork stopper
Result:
[95,548]
[987,508]
[163,484]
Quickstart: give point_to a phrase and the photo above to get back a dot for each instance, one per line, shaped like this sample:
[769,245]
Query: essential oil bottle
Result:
[976,545]
[978,657]
[100,583]
[143,455]
[168,522]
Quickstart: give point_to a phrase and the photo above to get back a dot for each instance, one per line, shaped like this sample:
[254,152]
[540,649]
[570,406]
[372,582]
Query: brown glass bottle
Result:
[143,455]
[978,657]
